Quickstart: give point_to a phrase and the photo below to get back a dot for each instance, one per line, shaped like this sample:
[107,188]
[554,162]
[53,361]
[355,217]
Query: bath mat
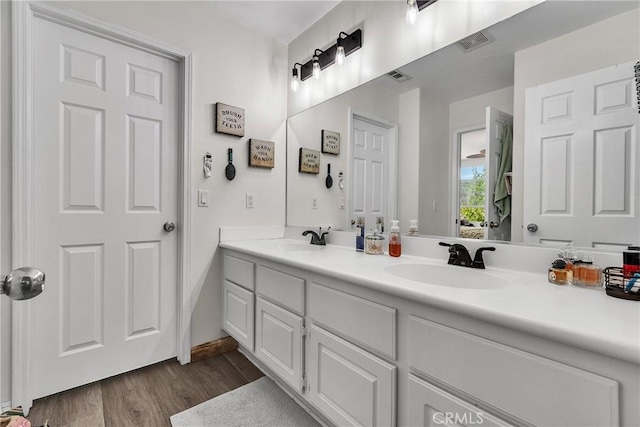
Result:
[260,403]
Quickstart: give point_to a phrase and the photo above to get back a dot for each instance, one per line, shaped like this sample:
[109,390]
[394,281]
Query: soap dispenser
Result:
[395,246]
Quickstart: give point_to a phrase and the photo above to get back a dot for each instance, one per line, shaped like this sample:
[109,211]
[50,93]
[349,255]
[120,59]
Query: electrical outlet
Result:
[314,203]
[203,198]
[251,201]
[435,206]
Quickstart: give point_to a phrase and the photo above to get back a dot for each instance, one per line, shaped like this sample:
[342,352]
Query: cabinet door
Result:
[279,341]
[238,313]
[349,385]
[430,406]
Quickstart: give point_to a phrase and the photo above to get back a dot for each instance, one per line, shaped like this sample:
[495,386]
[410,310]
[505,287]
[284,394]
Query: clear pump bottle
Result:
[395,244]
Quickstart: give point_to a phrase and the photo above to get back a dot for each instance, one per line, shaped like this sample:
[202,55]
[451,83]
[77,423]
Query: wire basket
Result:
[618,285]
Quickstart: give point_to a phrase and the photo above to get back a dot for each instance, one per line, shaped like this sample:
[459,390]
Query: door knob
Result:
[532,227]
[169,226]
[494,224]
[23,283]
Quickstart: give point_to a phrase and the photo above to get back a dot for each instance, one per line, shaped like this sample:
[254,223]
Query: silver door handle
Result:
[22,283]
[169,226]
[494,224]
[532,227]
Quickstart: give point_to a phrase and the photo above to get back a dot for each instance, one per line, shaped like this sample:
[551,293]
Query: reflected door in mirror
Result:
[369,172]
[581,160]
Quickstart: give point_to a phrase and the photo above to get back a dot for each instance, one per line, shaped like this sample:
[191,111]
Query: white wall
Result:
[473,111]
[388,42]
[234,65]
[613,41]
[434,166]
[304,130]
[408,158]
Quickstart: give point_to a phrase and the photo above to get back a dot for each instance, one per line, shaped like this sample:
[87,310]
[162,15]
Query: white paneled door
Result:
[582,159]
[106,177]
[370,158]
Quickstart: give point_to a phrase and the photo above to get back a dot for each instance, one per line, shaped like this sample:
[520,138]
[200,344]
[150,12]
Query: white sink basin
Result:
[449,276]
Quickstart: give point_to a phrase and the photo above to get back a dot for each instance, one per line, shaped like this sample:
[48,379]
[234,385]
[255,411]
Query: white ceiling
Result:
[282,20]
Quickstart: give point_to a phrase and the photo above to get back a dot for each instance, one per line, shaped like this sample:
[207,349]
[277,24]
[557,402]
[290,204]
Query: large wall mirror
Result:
[527,131]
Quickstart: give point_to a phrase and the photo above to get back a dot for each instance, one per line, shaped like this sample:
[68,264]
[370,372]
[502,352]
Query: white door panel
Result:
[582,159]
[105,161]
[370,172]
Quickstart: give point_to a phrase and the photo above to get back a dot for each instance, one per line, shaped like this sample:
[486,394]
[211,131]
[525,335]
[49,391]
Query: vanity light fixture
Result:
[317,71]
[295,80]
[412,12]
[322,59]
[415,6]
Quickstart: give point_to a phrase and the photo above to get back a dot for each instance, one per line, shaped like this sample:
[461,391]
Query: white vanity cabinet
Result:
[238,299]
[280,322]
[360,356]
[348,382]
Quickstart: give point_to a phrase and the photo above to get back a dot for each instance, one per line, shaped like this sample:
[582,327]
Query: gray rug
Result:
[260,403]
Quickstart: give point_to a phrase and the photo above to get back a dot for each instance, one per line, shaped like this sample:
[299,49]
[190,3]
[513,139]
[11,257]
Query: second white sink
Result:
[449,276]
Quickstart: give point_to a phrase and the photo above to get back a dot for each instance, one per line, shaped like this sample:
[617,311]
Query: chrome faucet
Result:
[459,255]
[316,238]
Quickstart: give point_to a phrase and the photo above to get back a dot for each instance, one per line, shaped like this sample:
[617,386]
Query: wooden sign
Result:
[330,142]
[229,120]
[309,161]
[261,153]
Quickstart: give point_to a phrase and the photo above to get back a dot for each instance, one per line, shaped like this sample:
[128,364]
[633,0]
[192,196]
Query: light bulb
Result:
[316,68]
[340,55]
[412,12]
[295,80]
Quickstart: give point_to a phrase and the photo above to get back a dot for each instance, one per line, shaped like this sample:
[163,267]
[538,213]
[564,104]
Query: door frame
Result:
[454,166]
[392,181]
[23,15]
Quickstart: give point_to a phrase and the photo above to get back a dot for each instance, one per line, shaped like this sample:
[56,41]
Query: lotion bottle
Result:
[395,245]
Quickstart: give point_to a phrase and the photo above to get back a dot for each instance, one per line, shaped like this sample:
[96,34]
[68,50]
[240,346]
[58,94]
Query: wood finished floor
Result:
[147,396]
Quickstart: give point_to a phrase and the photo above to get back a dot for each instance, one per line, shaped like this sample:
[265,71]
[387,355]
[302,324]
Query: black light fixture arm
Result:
[350,42]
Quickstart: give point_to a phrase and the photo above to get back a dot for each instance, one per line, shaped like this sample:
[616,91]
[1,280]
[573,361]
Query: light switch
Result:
[203,198]
[251,200]
[341,202]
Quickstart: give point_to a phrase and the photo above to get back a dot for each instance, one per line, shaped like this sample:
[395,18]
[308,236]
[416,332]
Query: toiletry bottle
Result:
[395,245]
[360,234]
[374,243]
[586,274]
[631,261]
[559,274]
[413,227]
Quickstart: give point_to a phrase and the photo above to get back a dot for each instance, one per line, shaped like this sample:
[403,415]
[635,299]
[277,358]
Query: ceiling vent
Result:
[398,76]
[474,41]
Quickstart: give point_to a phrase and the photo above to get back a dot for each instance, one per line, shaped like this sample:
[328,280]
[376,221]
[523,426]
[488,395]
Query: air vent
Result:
[475,41]
[398,76]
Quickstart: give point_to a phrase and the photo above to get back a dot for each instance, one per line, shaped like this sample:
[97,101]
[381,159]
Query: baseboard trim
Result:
[5,406]
[213,348]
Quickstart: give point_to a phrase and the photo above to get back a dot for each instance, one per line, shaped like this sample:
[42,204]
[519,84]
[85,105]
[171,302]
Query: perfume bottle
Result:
[586,274]
[559,273]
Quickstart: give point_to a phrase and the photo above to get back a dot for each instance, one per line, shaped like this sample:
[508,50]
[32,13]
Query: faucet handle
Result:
[478,262]
[453,255]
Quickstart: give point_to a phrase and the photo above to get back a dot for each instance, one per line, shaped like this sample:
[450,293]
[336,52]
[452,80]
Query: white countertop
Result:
[585,318]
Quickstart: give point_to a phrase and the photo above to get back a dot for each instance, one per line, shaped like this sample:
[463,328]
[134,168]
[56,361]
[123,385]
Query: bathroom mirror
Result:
[556,79]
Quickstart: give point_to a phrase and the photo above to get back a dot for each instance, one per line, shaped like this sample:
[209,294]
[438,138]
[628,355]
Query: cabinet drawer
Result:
[368,323]
[282,288]
[431,406]
[349,385]
[549,393]
[238,313]
[239,271]
[279,341]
